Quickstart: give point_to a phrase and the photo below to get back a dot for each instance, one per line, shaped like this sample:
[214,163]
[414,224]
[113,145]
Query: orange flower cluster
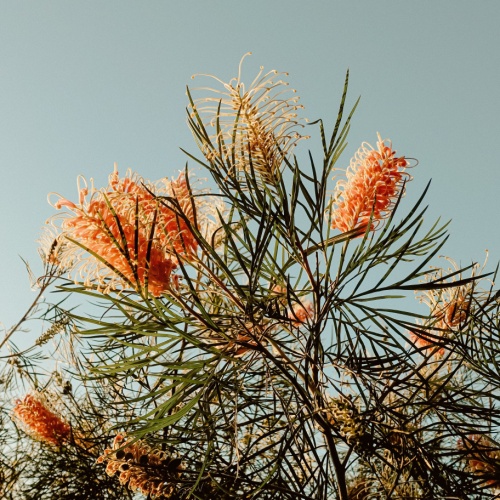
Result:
[141,467]
[133,238]
[374,181]
[235,347]
[39,421]
[450,315]
[301,313]
[483,459]
[450,308]
[424,338]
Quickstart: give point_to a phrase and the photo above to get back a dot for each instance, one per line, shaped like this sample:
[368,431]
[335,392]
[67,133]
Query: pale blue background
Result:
[86,83]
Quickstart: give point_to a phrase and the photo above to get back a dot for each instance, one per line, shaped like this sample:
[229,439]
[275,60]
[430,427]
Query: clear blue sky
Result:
[86,83]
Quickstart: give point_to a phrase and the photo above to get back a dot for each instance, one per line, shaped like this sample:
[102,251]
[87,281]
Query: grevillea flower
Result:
[483,458]
[239,338]
[141,467]
[260,121]
[301,313]
[127,234]
[39,421]
[425,337]
[450,308]
[375,178]
[344,415]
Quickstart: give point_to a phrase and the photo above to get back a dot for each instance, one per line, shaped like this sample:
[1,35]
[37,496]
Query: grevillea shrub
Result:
[283,329]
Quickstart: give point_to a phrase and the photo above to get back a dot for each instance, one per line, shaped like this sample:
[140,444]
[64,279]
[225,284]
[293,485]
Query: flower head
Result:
[258,122]
[301,313]
[483,457]
[343,414]
[450,307]
[130,233]
[141,467]
[427,338]
[375,178]
[39,421]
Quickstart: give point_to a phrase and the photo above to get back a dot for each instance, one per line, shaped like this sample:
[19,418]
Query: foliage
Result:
[261,341]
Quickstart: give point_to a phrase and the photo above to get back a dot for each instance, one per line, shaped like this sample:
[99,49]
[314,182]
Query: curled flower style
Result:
[130,233]
[258,124]
[39,421]
[375,178]
[483,458]
[52,247]
[142,468]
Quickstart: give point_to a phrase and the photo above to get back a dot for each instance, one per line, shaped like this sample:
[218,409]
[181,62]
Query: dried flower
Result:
[375,179]
[359,489]
[483,458]
[126,235]
[39,421]
[142,468]
[239,338]
[259,121]
[450,307]
[54,251]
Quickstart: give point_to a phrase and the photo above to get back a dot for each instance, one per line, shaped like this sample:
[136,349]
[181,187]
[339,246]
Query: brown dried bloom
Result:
[56,328]
[52,247]
[39,421]
[260,120]
[483,458]
[239,339]
[142,468]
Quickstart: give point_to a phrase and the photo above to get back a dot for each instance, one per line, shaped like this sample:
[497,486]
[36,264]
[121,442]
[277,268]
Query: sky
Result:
[84,84]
